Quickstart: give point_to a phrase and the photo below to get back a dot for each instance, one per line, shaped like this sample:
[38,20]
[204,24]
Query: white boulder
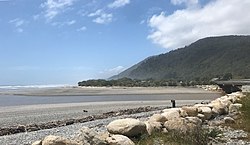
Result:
[206,111]
[157,118]
[38,142]
[218,107]
[153,127]
[57,140]
[119,140]
[234,107]
[171,114]
[191,110]
[129,127]
[177,124]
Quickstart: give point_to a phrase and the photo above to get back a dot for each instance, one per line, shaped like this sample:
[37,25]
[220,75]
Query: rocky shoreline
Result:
[185,119]
[65,122]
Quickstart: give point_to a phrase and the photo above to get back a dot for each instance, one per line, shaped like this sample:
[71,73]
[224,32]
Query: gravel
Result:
[66,131]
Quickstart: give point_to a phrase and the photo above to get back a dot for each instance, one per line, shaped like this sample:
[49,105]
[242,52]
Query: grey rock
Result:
[229,120]
[90,136]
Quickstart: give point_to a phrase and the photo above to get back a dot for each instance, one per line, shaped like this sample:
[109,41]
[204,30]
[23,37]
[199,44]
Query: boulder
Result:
[183,124]
[234,107]
[177,124]
[38,142]
[218,107]
[237,94]
[226,101]
[191,111]
[153,127]
[129,127]
[183,113]
[193,120]
[157,118]
[229,120]
[172,109]
[89,136]
[119,140]
[149,127]
[169,115]
[57,140]
[201,116]
[206,111]
[203,105]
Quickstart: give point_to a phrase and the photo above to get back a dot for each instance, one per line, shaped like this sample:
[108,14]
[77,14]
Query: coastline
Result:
[100,91]
[42,113]
[28,114]
[96,100]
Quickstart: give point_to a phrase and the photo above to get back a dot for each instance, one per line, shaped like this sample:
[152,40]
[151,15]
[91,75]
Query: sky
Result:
[66,41]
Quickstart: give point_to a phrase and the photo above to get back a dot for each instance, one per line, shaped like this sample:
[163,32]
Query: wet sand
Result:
[97,91]
[28,114]
[109,99]
[25,106]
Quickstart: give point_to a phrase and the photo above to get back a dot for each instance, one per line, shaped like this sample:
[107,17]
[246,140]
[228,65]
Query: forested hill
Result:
[204,59]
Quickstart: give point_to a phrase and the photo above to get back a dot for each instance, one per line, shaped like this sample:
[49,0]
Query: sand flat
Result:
[87,91]
[109,99]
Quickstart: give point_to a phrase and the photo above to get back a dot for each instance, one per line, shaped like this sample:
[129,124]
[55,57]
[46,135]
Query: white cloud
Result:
[55,7]
[18,23]
[61,24]
[118,3]
[188,3]
[96,13]
[110,72]
[83,28]
[220,17]
[101,17]
[71,22]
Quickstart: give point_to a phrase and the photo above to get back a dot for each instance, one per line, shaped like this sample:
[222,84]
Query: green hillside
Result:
[204,59]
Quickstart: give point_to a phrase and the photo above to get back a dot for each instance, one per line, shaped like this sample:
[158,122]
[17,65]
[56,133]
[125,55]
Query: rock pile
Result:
[210,87]
[59,123]
[184,119]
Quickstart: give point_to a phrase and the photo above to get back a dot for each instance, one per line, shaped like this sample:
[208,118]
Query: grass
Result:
[199,136]
[243,122]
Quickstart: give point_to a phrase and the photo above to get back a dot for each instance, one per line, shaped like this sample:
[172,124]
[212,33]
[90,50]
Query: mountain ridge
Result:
[204,59]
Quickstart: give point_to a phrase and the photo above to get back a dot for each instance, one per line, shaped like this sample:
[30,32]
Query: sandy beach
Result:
[103,100]
[109,99]
[88,91]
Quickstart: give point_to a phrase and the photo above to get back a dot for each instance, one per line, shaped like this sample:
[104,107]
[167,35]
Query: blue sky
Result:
[66,41]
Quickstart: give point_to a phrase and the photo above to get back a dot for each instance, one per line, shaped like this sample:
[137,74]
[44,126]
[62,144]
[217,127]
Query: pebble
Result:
[69,131]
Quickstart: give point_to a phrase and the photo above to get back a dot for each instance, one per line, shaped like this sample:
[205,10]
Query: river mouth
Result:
[16,100]
[29,109]
[34,96]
